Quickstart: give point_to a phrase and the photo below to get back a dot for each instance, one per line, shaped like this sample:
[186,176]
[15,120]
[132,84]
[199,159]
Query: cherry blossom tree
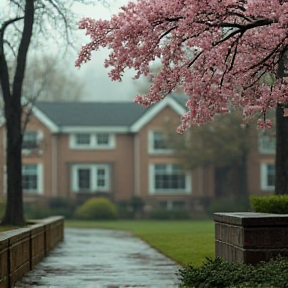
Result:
[223,53]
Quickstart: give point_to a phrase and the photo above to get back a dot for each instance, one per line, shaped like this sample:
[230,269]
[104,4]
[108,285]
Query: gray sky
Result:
[97,85]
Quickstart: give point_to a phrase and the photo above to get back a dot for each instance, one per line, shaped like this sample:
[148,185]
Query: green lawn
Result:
[183,241]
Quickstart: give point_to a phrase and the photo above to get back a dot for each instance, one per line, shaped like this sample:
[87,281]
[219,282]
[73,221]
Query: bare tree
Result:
[22,23]
[48,80]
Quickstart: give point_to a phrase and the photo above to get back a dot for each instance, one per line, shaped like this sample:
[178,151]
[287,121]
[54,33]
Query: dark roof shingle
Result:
[92,113]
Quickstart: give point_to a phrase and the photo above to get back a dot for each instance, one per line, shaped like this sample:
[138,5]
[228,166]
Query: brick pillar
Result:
[250,237]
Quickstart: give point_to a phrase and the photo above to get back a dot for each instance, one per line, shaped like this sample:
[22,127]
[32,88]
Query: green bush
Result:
[164,214]
[37,210]
[228,205]
[2,207]
[97,209]
[125,211]
[218,273]
[62,206]
[277,204]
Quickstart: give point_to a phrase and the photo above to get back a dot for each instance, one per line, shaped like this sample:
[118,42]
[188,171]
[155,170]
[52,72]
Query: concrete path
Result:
[95,258]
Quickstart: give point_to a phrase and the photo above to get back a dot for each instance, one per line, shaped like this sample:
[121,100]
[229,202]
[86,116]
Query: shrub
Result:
[36,210]
[97,209]
[62,206]
[2,207]
[277,204]
[125,211]
[218,273]
[164,214]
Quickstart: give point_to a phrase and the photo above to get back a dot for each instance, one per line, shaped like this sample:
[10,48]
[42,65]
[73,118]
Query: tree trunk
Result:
[243,178]
[14,214]
[281,165]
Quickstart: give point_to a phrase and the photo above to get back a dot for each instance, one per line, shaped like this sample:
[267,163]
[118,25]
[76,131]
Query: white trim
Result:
[155,109]
[151,149]
[263,177]
[40,179]
[39,137]
[153,191]
[93,145]
[93,177]
[45,120]
[54,165]
[136,165]
[94,129]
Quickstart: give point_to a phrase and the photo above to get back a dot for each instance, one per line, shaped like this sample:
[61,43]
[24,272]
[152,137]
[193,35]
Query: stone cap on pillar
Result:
[252,219]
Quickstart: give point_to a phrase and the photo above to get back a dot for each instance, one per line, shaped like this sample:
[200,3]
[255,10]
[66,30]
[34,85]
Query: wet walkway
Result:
[96,258]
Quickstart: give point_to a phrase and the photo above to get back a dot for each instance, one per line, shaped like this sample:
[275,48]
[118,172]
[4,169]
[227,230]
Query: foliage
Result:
[62,206]
[24,23]
[37,210]
[165,214]
[48,79]
[51,207]
[183,241]
[228,205]
[125,210]
[277,204]
[2,207]
[207,48]
[218,273]
[221,143]
[97,209]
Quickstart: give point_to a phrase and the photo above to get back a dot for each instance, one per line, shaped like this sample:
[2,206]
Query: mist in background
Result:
[97,84]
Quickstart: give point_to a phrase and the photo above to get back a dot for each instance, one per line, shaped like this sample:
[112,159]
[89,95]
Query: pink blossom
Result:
[219,52]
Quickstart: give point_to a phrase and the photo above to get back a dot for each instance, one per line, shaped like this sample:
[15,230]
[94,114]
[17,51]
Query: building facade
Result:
[118,149]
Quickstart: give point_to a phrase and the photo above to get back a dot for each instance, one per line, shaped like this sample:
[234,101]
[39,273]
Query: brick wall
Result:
[250,237]
[23,248]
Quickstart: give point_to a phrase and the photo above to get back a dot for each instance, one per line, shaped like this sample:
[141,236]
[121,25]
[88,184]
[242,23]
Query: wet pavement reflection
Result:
[98,258]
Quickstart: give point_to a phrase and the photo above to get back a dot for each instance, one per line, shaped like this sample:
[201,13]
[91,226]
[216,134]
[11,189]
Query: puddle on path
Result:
[96,258]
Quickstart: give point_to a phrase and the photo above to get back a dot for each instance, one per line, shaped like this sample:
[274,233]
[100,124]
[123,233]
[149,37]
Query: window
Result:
[169,178]
[32,178]
[266,143]
[158,142]
[82,139]
[90,177]
[92,141]
[30,140]
[267,176]
[103,139]
[84,179]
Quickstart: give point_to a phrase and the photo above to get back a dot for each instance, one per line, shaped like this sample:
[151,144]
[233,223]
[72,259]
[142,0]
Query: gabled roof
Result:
[92,113]
[104,116]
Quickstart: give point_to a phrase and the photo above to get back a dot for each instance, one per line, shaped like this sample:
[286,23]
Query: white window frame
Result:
[266,144]
[151,148]
[153,190]
[93,177]
[93,141]
[264,177]
[39,171]
[39,138]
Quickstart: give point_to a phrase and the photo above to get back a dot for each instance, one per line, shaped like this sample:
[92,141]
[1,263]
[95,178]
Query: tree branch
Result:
[23,48]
